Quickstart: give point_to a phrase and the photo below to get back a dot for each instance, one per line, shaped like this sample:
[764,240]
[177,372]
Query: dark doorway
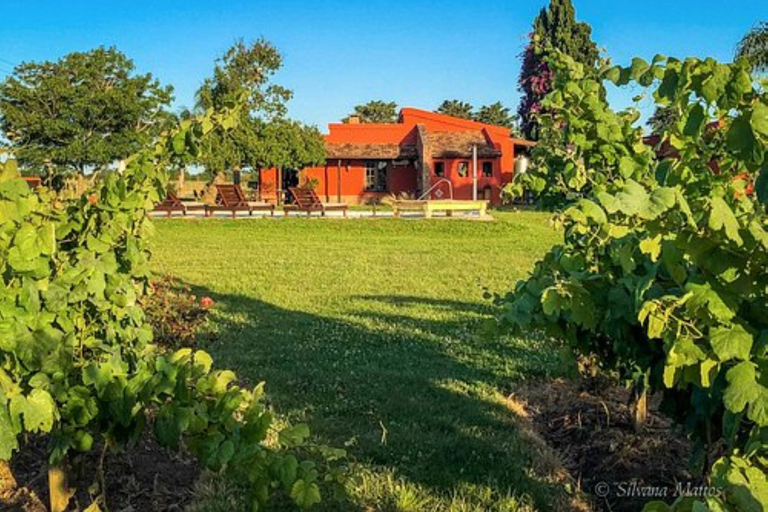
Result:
[290,178]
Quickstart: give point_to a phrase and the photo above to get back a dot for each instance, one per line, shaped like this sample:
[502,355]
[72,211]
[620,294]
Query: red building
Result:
[368,161]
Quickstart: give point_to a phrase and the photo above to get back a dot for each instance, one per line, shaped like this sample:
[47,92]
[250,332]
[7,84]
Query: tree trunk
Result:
[58,488]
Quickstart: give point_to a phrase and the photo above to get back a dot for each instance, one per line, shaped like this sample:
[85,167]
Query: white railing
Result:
[426,194]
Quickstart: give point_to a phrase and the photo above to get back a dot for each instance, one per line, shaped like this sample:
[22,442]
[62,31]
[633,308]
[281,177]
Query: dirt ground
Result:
[587,425]
[590,426]
[145,478]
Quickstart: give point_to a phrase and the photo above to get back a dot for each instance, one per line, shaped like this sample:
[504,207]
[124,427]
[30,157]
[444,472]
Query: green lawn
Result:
[367,329]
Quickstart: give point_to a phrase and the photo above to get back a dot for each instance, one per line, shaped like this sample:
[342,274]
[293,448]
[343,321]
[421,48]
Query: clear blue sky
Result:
[341,53]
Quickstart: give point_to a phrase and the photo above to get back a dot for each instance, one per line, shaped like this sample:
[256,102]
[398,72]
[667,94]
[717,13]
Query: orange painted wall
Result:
[352,174]
[343,133]
[462,186]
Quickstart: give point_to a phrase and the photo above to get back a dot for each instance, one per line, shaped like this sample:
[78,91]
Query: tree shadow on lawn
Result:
[392,395]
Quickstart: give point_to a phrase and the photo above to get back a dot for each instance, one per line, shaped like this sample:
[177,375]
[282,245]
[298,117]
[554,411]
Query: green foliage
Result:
[86,110]
[262,137]
[555,29]
[495,114]
[375,112]
[76,358]
[456,108]
[754,47]
[661,274]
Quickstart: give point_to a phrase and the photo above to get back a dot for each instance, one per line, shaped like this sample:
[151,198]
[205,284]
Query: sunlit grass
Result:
[367,329]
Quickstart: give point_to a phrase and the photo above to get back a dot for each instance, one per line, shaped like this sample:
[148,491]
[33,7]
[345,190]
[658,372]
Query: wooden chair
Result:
[33,182]
[172,203]
[307,201]
[231,198]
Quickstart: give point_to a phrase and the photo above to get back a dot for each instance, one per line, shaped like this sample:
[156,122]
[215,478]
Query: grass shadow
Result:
[398,385]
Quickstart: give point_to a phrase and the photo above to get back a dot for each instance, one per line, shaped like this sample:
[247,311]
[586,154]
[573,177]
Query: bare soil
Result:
[590,424]
[146,477]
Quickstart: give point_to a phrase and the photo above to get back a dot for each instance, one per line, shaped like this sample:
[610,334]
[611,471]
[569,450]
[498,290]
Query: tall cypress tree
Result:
[555,28]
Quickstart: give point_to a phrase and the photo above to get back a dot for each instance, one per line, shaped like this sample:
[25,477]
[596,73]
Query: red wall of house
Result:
[462,187]
[352,173]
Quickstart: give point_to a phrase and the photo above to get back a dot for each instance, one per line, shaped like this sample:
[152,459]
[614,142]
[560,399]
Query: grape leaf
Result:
[732,342]
[742,387]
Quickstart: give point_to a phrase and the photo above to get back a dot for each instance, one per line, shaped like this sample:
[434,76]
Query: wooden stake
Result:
[58,488]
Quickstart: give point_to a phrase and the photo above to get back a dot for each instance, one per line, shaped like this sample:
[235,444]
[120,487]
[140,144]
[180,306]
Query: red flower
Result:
[93,199]
[206,302]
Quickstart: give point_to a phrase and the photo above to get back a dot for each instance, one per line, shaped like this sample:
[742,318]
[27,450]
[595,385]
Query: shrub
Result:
[661,276]
[77,360]
[178,318]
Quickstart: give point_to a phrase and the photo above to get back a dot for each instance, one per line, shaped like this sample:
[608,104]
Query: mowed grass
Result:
[368,330]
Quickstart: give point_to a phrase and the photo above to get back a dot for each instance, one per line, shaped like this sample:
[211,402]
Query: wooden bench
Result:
[308,201]
[172,203]
[433,205]
[231,198]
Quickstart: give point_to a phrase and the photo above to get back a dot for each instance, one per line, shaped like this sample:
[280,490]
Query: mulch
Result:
[590,424]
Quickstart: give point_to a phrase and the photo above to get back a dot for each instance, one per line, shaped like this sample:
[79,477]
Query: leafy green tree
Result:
[754,46]
[554,29]
[662,118]
[262,137]
[84,111]
[456,108]
[375,112]
[496,114]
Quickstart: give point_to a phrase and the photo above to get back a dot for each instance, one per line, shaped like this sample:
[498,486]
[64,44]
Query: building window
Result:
[463,169]
[376,176]
[487,169]
[439,169]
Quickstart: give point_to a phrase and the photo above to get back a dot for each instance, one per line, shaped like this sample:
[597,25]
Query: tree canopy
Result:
[754,46]
[496,114]
[554,29]
[457,108]
[84,111]
[375,112]
[263,136]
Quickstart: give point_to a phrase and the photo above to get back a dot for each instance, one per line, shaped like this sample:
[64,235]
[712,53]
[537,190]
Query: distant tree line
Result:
[89,110]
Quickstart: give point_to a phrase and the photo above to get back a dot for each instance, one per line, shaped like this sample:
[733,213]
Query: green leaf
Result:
[694,123]
[294,436]
[705,300]
[305,494]
[39,411]
[732,342]
[758,408]
[8,440]
[656,506]
[714,86]
[651,247]
[203,361]
[639,67]
[707,368]
[721,217]
[741,140]
[759,119]
[627,166]
[742,387]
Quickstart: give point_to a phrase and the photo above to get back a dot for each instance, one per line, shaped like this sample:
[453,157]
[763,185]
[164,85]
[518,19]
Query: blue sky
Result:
[341,53]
